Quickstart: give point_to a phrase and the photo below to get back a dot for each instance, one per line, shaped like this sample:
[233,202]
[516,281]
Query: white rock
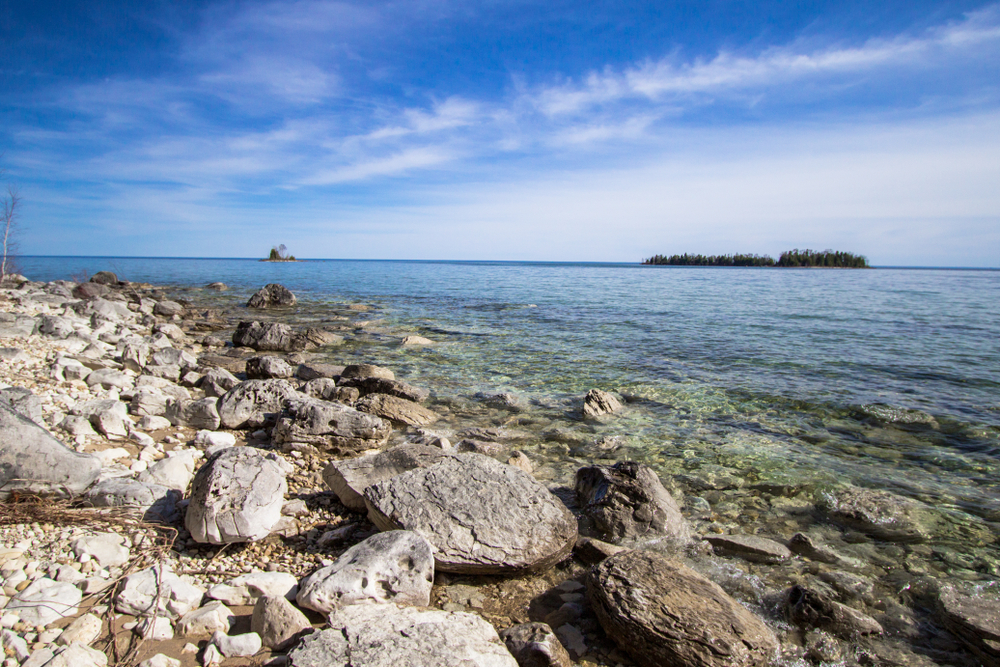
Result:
[154,422]
[213,617]
[78,655]
[268,583]
[157,629]
[174,472]
[237,645]
[214,439]
[177,595]
[108,455]
[160,660]
[15,645]
[212,655]
[45,601]
[85,629]
[108,549]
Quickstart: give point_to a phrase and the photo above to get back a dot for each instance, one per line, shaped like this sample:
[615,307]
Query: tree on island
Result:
[789,258]
[8,218]
[279,253]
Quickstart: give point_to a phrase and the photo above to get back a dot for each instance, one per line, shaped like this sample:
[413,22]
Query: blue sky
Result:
[599,131]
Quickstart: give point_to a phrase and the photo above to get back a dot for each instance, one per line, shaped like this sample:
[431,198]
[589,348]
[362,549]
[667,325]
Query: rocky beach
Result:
[190,481]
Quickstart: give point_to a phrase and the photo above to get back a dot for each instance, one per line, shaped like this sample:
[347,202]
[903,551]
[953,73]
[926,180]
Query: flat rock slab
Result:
[749,547]
[664,613]
[881,514]
[33,461]
[389,636]
[480,515]
[350,477]
[627,501]
[397,409]
[45,601]
[395,566]
[237,496]
[974,619]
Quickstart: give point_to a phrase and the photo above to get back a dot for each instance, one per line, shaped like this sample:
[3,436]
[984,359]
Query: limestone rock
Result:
[272,295]
[396,566]
[45,601]
[810,608]
[157,589]
[269,337]
[33,461]
[251,403]
[217,381]
[535,645]
[21,400]
[664,613]
[627,500]
[157,503]
[167,308]
[76,655]
[312,371]
[237,645]
[881,514]
[331,425]
[593,551]
[598,403]
[262,368]
[388,636]
[160,660]
[749,547]
[84,629]
[173,472]
[200,414]
[237,496]
[378,385]
[108,549]
[367,371]
[350,477]
[396,409]
[481,516]
[278,622]
[213,617]
[104,278]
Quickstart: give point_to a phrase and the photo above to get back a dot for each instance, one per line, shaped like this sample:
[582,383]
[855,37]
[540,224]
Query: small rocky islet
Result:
[232,495]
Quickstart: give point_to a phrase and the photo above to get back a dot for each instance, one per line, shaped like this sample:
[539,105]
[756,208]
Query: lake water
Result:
[739,382]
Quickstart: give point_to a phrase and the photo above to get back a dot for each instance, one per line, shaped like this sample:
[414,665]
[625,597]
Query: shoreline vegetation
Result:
[826,259]
[279,253]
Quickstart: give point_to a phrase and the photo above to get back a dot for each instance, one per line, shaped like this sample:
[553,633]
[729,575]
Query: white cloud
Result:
[408,160]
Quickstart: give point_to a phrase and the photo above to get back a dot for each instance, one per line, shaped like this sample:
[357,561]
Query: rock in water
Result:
[598,403]
[237,496]
[396,566]
[272,295]
[350,477]
[753,548]
[482,516]
[397,409]
[806,607]
[33,461]
[664,613]
[265,336]
[627,500]
[535,645]
[975,620]
[881,514]
[388,636]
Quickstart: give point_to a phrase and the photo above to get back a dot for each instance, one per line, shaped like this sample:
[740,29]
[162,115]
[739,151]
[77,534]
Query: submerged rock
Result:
[807,607]
[598,403]
[881,514]
[974,620]
[664,613]
[390,636]
[749,547]
[627,501]
[396,409]
[481,516]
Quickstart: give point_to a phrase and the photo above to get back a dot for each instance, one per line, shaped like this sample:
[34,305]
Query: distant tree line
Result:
[789,258]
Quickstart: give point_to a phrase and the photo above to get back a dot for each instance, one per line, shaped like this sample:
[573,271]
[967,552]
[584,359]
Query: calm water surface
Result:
[752,388]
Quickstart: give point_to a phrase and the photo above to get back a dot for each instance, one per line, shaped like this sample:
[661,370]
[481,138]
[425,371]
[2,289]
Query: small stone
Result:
[160,660]
[278,622]
[85,629]
[237,645]
[213,617]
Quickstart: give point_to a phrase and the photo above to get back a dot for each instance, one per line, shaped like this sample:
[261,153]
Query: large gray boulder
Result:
[366,371]
[396,409]
[33,461]
[253,403]
[262,368]
[21,400]
[396,566]
[217,381]
[664,613]
[332,426]
[481,516]
[882,514]
[154,501]
[350,477]
[265,336]
[237,496]
[200,414]
[627,501]
[272,295]
[390,636]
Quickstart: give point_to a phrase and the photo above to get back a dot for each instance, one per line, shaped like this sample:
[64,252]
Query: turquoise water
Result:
[886,378]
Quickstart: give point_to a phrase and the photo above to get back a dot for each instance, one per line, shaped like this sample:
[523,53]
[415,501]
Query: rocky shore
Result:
[186,488]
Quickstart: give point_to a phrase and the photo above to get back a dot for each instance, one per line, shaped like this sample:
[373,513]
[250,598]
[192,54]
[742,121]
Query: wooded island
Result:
[790,258]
